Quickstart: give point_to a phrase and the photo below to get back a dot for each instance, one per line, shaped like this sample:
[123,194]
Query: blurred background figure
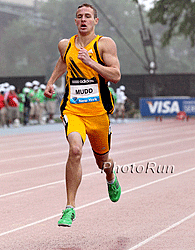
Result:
[6,86]
[30,96]
[41,102]
[29,85]
[112,92]
[120,102]
[2,107]
[26,105]
[36,83]
[12,104]
[51,106]
[34,103]
[114,95]
[21,99]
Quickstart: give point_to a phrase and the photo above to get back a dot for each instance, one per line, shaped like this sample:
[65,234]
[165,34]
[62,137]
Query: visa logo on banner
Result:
[160,106]
[163,107]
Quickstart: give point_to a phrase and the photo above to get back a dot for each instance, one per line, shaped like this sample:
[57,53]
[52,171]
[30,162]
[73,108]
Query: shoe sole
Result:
[66,225]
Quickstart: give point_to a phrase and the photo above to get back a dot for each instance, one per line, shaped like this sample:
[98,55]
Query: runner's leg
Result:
[73,167]
[105,163]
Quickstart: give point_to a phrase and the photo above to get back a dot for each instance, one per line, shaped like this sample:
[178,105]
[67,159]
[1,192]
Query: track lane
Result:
[46,235]
[102,208]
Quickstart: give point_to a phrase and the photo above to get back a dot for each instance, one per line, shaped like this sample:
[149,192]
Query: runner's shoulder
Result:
[106,42]
[62,45]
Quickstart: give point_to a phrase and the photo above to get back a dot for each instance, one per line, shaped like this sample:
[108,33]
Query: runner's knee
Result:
[75,152]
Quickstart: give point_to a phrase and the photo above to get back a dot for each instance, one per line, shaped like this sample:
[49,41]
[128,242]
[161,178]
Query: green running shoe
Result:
[114,190]
[68,216]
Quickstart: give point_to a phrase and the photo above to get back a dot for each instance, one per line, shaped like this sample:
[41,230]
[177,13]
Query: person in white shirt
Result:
[120,102]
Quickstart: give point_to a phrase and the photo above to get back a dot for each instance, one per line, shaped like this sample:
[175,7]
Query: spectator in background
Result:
[35,83]
[41,102]
[120,103]
[21,98]
[12,104]
[30,95]
[2,107]
[6,87]
[114,95]
[34,113]
[29,85]
[26,105]
[51,106]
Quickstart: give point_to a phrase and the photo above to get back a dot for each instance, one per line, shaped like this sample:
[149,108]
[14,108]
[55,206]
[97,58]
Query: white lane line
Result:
[153,145]
[163,156]
[52,217]
[44,185]
[91,157]
[129,150]
[31,169]
[36,137]
[162,232]
[94,202]
[61,181]
[117,142]
[159,180]
[3,151]
[28,142]
[29,225]
[164,131]
[33,156]
[32,188]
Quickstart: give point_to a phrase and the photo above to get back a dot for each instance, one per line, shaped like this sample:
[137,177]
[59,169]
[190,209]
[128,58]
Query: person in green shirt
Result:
[51,106]
[21,97]
[32,105]
[112,92]
[41,102]
[114,95]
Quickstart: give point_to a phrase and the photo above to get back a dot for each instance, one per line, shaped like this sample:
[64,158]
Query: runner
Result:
[90,61]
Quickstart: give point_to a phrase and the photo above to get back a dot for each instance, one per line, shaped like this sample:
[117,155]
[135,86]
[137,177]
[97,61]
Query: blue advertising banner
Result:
[167,106]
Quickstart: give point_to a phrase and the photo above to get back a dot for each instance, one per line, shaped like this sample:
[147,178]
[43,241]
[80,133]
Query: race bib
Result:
[83,90]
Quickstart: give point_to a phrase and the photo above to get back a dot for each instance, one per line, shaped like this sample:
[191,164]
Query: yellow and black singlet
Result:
[86,92]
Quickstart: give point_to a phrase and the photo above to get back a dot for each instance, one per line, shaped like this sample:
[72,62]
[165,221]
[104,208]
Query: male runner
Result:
[90,61]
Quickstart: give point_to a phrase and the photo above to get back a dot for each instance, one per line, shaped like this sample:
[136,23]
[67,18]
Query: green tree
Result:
[178,16]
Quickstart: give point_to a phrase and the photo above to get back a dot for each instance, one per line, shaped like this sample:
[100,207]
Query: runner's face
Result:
[84,20]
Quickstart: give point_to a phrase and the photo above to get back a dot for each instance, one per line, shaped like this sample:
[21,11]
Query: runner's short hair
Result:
[90,6]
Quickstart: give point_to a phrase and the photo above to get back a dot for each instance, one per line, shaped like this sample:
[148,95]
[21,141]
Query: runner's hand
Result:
[84,56]
[49,91]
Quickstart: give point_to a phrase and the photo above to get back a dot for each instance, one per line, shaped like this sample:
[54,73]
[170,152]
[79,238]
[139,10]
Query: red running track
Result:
[156,210]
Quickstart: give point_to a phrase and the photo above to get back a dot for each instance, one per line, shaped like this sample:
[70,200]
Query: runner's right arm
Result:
[59,69]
